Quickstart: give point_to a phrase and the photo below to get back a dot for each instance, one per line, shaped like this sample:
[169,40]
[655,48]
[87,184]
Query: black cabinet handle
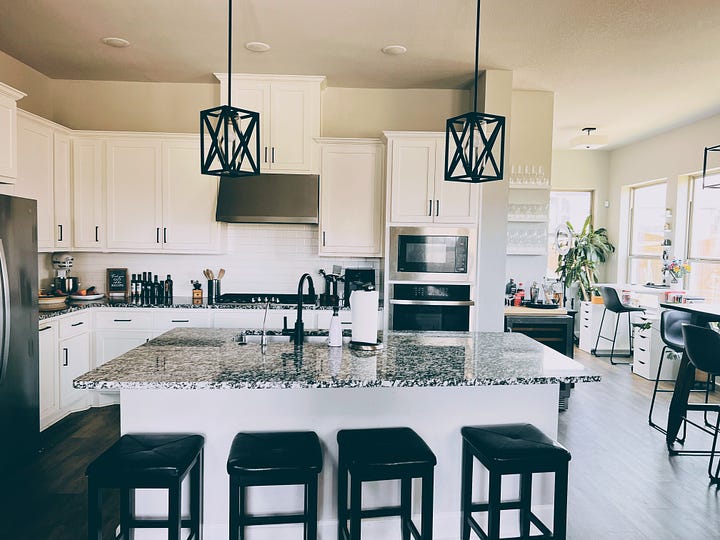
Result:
[122,320]
[164,235]
[97,233]
[65,356]
[266,154]
[77,323]
[60,233]
[46,328]
[437,207]
[430,207]
[157,235]
[273,155]
[323,238]
[180,320]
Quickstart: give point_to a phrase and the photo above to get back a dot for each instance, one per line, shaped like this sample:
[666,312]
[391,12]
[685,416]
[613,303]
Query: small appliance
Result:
[430,307]
[62,263]
[357,279]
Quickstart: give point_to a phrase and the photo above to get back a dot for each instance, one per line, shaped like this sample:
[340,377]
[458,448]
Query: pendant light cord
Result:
[230,50]
[477,54]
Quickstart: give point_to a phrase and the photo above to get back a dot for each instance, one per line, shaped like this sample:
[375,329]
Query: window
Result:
[704,240]
[572,206]
[647,221]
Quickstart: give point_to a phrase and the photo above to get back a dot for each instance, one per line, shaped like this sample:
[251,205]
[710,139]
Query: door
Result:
[455,202]
[62,184]
[48,358]
[189,200]
[413,180]
[290,141]
[8,137]
[88,194]
[110,344]
[134,194]
[74,361]
[254,96]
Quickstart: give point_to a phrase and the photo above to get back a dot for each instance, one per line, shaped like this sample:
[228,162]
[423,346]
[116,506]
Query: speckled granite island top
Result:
[207,358]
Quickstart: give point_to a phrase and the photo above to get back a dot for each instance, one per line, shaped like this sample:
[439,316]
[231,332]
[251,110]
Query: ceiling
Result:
[631,68]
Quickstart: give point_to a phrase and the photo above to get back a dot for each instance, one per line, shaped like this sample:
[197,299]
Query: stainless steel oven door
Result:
[450,276]
[430,315]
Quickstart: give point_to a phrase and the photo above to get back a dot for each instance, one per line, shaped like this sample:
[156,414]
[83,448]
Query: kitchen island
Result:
[205,381]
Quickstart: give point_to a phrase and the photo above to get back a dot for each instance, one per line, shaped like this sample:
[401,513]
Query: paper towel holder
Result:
[360,346]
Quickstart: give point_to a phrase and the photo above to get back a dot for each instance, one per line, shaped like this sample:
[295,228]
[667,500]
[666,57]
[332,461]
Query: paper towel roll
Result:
[364,313]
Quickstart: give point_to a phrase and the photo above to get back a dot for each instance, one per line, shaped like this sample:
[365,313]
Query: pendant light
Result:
[715,182]
[234,134]
[475,142]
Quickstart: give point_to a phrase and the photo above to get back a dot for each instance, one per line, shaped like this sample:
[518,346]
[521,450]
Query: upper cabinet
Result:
[44,175]
[418,190]
[351,197]
[157,200]
[8,133]
[88,193]
[289,108]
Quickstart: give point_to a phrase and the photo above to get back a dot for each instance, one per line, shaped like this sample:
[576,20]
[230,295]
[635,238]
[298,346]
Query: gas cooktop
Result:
[263,298]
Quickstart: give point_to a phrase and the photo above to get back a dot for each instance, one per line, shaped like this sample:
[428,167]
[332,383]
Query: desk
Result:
[701,314]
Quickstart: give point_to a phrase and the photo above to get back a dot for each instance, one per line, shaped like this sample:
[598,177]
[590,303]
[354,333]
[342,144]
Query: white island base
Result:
[436,413]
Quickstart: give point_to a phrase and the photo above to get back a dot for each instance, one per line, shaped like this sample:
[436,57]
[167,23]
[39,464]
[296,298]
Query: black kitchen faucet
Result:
[299,331]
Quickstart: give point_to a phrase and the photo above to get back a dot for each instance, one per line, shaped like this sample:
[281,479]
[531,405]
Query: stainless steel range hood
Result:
[269,198]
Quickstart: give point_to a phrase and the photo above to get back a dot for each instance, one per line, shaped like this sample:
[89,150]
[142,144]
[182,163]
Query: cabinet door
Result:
[238,318]
[62,185]
[48,356]
[412,176]
[189,200]
[8,138]
[254,96]
[294,122]
[455,202]
[35,175]
[351,200]
[110,344]
[88,194]
[134,194]
[74,361]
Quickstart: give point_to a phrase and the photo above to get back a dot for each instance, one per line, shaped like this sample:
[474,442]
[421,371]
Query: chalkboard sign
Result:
[117,282]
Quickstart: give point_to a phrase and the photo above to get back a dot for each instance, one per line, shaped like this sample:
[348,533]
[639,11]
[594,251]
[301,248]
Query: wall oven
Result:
[435,254]
[430,307]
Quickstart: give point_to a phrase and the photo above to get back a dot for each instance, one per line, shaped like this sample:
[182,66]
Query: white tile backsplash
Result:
[258,258]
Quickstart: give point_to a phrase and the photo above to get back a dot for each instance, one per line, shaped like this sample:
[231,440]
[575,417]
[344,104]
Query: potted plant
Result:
[578,265]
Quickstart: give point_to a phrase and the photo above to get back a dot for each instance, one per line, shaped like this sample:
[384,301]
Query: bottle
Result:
[143,289]
[148,289]
[133,280]
[510,287]
[335,330]
[519,295]
[156,295]
[168,290]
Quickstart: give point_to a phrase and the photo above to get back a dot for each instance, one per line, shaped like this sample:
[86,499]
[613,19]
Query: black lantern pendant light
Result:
[715,182]
[234,134]
[475,142]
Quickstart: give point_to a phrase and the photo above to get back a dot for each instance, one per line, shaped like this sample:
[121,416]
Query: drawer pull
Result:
[122,320]
[45,328]
[65,357]
[180,320]
[643,350]
[77,323]
[641,362]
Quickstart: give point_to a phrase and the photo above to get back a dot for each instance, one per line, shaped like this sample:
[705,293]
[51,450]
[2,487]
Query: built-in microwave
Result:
[438,254]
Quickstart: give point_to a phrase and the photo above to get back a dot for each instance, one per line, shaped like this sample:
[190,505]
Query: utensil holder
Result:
[213,290]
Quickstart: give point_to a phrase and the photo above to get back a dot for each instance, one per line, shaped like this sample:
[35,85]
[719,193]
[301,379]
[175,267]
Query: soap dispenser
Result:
[335,330]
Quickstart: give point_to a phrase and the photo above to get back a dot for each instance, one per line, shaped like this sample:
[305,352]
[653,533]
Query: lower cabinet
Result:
[74,361]
[590,317]
[49,386]
[647,348]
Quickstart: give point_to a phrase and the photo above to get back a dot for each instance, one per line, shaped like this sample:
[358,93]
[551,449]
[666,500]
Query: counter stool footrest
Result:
[273,519]
[159,523]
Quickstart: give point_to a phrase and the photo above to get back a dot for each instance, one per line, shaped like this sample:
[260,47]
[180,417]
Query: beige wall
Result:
[37,86]
[584,170]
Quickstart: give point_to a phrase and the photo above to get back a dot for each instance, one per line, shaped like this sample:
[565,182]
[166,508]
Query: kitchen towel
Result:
[364,313]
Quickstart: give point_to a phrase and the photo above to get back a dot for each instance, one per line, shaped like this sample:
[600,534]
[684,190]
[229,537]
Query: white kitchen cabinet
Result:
[8,133]
[289,108]
[590,317]
[49,386]
[134,194]
[62,189]
[167,319]
[351,197]
[418,190]
[74,361]
[188,200]
[647,347]
[88,193]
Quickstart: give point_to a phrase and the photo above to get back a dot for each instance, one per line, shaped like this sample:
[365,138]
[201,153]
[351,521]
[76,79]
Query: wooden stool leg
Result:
[127,511]
[174,518]
[355,507]
[560,510]
[405,507]
[427,506]
[342,498]
[311,508]
[466,491]
[94,511]
[494,507]
[525,500]
[196,497]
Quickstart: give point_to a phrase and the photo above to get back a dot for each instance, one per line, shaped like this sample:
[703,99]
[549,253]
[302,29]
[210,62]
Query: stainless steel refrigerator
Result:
[19,368]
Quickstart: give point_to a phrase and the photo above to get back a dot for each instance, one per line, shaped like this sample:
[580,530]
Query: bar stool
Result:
[148,460]
[512,449]
[274,458]
[384,454]
[612,303]
[702,346]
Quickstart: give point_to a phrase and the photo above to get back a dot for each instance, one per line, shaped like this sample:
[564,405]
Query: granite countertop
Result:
[210,358]
[178,303]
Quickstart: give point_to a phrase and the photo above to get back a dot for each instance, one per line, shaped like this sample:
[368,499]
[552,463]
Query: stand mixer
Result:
[63,283]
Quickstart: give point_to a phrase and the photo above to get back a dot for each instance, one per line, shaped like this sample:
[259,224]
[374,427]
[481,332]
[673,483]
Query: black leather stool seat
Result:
[149,460]
[514,446]
[143,458]
[274,458]
[384,454]
[512,449]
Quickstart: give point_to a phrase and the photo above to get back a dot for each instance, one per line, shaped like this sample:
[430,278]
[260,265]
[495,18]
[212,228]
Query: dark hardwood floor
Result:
[623,484]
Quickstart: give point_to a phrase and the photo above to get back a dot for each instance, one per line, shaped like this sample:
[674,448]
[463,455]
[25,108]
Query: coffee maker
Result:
[63,283]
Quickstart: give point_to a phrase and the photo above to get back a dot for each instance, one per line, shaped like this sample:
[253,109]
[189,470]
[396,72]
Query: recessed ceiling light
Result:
[394,50]
[116,42]
[257,46]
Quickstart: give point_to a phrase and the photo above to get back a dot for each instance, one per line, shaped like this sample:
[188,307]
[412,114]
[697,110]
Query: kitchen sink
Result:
[255,338]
